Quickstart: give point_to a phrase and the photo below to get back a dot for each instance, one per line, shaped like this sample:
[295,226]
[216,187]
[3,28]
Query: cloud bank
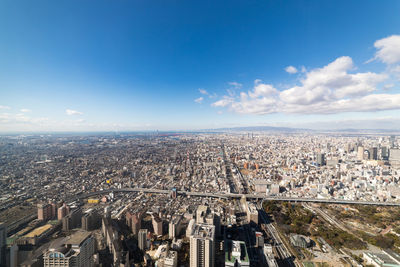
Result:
[334,88]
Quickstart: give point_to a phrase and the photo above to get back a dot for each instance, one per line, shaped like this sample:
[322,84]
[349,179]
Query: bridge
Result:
[234,196]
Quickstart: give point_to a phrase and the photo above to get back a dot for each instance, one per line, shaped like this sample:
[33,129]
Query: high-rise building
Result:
[14,255]
[76,250]
[3,244]
[384,153]
[142,239]
[373,153]
[136,223]
[394,157]
[174,227]
[360,153]
[62,212]
[320,159]
[202,246]
[392,141]
[90,221]
[157,224]
[72,220]
[44,211]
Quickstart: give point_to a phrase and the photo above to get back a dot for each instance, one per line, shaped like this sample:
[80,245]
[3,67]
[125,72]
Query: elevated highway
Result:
[233,195]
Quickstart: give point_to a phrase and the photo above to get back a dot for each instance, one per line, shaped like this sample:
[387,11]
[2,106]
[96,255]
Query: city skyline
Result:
[134,66]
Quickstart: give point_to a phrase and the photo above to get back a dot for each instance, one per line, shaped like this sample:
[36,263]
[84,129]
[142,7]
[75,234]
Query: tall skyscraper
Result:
[142,239]
[202,246]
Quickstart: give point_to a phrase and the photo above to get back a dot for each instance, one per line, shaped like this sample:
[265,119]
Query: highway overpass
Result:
[233,196]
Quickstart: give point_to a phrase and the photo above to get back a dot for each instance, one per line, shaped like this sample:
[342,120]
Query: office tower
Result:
[142,239]
[202,246]
[157,224]
[384,153]
[394,157]
[76,250]
[252,213]
[360,153]
[321,159]
[174,227]
[3,244]
[394,154]
[373,153]
[392,140]
[44,211]
[136,222]
[348,148]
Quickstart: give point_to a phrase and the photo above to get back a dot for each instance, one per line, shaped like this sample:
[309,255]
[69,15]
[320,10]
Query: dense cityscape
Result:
[200,199]
[213,133]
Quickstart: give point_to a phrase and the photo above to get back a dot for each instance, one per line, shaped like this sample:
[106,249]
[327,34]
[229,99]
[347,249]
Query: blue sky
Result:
[178,65]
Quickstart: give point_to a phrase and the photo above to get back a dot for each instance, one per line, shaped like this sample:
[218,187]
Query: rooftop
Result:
[204,231]
[38,231]
[77,238]
[236,251]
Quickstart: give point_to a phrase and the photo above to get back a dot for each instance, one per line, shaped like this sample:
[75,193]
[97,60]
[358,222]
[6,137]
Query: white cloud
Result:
[388,49]
[72,112]
[388,86]
[332,82]
[25,110]
[395,70]
[291,69]
[225,101]
[236,85]
[203,91]
[326,90]
[199,100]
[4,107]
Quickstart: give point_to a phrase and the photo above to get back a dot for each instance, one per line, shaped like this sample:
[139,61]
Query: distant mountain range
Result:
[300,130]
